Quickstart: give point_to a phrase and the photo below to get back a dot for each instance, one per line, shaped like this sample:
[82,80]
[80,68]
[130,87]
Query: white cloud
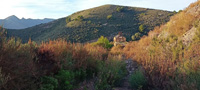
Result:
[61,8]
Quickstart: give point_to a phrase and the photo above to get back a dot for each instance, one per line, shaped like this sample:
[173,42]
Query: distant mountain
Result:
[13,22]
[88,25]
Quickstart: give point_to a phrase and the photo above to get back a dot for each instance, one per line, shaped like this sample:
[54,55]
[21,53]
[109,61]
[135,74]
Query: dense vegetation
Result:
[168,57]
[56,65]
[170,54]
[90,24]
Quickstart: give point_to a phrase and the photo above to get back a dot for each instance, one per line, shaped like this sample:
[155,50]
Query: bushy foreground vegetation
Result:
[170,59]
[138,80]
[56,65]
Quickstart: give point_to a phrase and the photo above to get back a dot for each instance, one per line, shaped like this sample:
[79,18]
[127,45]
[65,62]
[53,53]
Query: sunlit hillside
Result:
[170,53]
[87,25]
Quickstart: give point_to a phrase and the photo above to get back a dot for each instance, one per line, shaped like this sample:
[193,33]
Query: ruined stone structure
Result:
[119,40]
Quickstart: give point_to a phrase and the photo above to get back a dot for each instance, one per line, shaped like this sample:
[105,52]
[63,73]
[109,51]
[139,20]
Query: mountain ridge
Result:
[13,22]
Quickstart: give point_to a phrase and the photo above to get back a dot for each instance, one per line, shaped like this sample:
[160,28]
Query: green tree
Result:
[138,80]
[141,28]
[109,17]
[180,11]
[120,9]
[80,18]
[174,12]
[66,79]
[49,83]
[68,19]
[136,36]
[142,14]
[104,42]
[89,22]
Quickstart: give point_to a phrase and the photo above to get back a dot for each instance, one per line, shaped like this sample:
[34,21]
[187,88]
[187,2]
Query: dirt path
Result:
[131,66]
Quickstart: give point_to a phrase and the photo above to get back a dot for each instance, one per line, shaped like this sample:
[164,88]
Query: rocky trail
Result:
[131,66]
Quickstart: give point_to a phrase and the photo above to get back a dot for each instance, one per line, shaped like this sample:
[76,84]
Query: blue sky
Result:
[39,9]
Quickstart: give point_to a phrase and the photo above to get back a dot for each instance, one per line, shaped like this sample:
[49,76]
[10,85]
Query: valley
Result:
[110,47]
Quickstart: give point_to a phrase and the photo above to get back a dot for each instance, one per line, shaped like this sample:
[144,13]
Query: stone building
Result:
[119,40]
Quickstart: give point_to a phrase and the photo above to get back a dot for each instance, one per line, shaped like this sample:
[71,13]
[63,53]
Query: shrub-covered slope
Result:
[170,54]
[90,24]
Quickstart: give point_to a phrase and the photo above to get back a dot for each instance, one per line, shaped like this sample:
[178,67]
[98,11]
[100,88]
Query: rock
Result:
[188,36]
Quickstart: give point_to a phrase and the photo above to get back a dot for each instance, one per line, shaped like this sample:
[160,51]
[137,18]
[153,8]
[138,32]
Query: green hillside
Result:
[90,24]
